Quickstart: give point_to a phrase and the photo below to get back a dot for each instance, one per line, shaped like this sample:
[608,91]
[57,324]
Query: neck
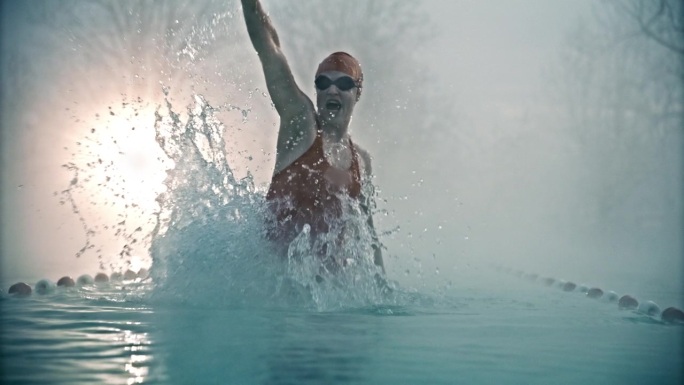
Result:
[332,136]
[333,132]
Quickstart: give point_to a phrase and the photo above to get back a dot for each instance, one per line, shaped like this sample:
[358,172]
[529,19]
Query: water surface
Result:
[517,333]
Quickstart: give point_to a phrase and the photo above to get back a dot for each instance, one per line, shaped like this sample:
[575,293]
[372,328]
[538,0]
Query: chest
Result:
[338,155]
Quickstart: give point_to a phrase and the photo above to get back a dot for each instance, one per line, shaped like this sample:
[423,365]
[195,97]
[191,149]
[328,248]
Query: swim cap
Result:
[343,62]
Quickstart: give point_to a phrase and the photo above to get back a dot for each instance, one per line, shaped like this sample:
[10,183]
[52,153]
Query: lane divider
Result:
[45,286]
[625,302]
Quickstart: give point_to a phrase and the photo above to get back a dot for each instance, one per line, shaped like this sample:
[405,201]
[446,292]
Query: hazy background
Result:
[543,135]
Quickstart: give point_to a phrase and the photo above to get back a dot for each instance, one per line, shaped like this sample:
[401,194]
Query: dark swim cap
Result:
[343,62]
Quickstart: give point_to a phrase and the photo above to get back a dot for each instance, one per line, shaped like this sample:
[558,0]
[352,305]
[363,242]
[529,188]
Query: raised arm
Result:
[297,113]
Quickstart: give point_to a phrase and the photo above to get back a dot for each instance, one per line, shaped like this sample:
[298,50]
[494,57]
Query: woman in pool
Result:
[317,165]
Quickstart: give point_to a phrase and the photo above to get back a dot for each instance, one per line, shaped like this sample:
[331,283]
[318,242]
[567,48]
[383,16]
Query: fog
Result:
[544,136]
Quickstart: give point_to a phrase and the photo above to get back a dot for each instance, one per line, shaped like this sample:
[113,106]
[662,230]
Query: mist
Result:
[544,136]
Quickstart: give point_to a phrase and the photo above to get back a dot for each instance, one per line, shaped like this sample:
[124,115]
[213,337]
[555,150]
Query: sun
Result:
[138,262]
[125,164]
[117,174]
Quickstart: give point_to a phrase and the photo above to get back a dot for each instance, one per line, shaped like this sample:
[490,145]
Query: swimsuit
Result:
[308,192]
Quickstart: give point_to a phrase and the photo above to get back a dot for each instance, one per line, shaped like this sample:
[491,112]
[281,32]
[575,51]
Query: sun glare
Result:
[129,164]
[117,173]
[137,262]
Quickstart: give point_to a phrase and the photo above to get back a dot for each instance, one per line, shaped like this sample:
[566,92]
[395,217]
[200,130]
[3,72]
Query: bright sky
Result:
[494,53]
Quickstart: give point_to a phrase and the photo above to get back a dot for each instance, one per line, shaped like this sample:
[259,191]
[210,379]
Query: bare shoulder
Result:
[366,158]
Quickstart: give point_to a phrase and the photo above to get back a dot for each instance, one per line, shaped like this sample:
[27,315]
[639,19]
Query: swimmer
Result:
[316,159]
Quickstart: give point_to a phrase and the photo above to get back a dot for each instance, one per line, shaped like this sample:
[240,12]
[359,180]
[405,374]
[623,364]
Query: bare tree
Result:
[620,92]
[660,20]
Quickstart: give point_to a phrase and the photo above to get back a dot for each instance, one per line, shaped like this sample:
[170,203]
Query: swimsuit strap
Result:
[355,166]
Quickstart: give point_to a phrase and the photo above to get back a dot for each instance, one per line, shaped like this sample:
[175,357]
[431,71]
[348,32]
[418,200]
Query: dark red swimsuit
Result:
[306,192]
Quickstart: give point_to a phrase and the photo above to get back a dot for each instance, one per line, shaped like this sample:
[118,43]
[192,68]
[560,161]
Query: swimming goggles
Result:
[344,83]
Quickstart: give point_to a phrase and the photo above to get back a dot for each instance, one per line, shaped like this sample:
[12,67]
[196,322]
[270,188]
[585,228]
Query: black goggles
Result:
[344,83]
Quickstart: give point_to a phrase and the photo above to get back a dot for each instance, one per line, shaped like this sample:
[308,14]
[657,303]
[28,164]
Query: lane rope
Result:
[625,302]
[46,286]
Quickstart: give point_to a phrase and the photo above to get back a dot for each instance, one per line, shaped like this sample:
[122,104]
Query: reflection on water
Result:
[269,346]
[67,338]
[138,363]
[322,348]
[521,335]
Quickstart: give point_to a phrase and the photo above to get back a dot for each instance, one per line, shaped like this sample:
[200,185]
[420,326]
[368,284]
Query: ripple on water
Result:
[74,339]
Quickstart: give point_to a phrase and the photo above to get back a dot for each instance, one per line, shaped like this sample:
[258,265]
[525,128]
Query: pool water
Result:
[219,308]
[513,332]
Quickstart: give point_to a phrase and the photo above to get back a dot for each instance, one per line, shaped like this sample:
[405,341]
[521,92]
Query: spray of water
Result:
[210,244]
[582,185]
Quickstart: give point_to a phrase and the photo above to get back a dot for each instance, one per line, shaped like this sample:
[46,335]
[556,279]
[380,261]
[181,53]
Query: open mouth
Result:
[333,105]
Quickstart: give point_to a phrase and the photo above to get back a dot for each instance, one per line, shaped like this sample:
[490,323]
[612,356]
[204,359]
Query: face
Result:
[335,105]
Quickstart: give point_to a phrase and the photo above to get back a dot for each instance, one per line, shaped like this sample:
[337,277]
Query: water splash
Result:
[210,244]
